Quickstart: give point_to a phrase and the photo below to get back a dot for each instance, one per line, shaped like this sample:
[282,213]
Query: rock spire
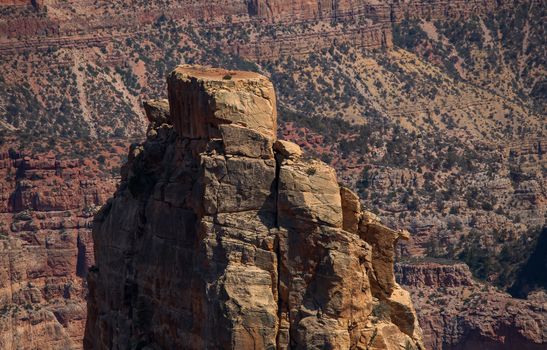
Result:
[222,237]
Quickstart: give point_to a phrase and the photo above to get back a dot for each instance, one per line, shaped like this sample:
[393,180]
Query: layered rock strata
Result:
[366,24]
[459,312]
[46,211]
[220,236]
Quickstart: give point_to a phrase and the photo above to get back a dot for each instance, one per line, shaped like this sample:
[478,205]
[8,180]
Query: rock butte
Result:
[217,239]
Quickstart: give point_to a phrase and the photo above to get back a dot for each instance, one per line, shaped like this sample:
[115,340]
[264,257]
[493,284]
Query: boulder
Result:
[288,149]
[238,140]
[157,111]
[308,195]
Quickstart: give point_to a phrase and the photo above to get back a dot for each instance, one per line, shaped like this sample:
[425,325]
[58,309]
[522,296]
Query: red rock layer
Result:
[14,2]
[458,312]
[443,9]
[367,24]
[45,249]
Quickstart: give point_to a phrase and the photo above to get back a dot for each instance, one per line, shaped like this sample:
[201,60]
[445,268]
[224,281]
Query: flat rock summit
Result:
[222,237]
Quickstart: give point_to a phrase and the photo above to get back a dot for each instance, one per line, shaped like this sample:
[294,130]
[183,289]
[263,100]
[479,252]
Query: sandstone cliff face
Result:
[458,312]
[70,24]
[222,237]
[46,211]
[71,21]
[302,10]
[442,9]
[433,275]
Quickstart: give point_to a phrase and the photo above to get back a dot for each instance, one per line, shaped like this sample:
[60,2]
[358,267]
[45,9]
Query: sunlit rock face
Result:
[221,237]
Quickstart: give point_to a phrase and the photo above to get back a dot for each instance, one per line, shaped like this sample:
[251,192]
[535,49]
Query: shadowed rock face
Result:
[220,237]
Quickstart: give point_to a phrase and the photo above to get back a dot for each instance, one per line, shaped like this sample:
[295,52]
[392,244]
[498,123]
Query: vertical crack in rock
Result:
[221,236]
[277,248]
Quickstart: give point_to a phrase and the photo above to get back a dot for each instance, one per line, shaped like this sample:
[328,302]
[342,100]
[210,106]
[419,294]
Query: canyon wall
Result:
[459,312]
[15,2]
[221,237]
[301,10]
[46,212]
[362,24]
[49,222]
[439,10]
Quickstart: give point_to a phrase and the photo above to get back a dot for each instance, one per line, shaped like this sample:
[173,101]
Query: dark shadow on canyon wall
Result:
[533,275]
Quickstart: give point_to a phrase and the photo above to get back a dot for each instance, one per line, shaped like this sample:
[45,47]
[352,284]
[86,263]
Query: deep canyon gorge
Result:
[433,112]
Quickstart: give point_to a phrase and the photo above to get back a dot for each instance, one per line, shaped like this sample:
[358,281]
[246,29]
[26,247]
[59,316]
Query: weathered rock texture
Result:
[43,29]
[458,312]
[46,211]
[215,240]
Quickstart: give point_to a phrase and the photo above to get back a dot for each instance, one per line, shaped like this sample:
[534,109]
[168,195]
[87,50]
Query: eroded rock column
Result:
[222,237]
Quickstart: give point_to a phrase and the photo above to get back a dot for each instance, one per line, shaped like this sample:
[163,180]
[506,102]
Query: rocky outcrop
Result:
[15,2]
[157,112]
[442,10]
[46,212]
[299,10]
[458,312]
[217,239]
[372,36]
[434,275]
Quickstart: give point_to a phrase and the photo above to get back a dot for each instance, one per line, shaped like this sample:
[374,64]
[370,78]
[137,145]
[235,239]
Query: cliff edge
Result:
[221,236]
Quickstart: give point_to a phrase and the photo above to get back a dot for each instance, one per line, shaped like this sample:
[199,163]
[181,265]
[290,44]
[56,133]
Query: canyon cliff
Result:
[46,211]
[221,236]
[72,23]
[459,312]
[431,111]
